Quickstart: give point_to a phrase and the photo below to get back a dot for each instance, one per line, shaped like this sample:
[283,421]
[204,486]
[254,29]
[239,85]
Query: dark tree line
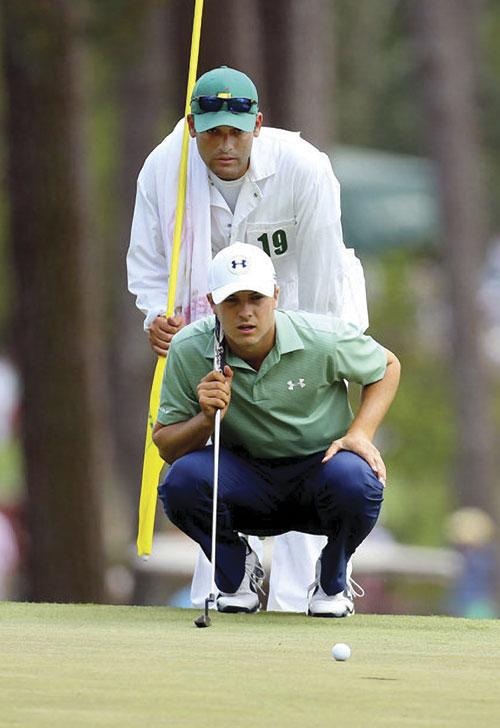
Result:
[56,299]
[446,33]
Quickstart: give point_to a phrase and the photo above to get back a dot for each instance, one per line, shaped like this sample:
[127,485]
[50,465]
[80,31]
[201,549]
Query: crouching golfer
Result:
[292,456]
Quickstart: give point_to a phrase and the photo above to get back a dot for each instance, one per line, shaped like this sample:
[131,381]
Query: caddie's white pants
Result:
[293,569]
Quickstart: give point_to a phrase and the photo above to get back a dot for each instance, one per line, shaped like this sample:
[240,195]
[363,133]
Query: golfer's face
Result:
[226,150]
[247,318]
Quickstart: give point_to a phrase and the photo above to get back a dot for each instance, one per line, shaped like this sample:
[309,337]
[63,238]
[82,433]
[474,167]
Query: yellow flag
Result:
[151,469]
[152,461]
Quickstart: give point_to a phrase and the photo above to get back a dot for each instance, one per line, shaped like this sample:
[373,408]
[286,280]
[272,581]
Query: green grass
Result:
[92,666]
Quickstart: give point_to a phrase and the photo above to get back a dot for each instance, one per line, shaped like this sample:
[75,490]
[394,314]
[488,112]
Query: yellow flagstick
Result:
[152,460]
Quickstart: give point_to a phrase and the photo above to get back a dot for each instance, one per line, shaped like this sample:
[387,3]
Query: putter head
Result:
[204,620]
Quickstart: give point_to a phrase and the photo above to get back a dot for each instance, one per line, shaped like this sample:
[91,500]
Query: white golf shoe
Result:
[245,599]
[336,605]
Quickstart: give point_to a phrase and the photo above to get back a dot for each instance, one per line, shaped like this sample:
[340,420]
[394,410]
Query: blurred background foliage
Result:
[135,72]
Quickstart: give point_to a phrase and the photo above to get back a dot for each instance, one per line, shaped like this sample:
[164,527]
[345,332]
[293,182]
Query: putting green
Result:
[84,665]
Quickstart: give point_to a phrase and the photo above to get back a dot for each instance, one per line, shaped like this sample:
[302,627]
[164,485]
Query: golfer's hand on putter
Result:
[214,393]
[362,446]
[161,332]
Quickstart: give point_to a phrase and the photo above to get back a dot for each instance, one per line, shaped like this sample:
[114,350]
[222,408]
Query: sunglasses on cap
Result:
[215,103]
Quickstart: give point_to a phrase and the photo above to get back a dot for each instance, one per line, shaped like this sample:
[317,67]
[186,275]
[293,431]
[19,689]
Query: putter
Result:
[219,361]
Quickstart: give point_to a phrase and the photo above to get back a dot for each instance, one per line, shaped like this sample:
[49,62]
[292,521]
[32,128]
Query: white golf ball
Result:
[341,651]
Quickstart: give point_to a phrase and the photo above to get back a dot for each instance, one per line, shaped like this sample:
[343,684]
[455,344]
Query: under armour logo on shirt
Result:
[301,383]
[238,261]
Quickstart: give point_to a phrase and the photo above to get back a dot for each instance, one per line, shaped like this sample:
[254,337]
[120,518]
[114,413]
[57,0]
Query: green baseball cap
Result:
[224,97]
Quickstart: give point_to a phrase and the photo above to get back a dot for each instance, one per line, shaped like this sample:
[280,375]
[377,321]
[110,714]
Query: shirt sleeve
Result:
[147,266]
[331,278]
[358,357]
[320,247]
[354,304]
[178,399]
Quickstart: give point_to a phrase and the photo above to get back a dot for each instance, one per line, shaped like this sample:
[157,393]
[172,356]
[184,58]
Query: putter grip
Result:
[219,347]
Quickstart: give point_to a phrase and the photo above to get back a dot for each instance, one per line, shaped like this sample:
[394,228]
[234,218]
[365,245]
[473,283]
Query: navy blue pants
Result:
[340,499]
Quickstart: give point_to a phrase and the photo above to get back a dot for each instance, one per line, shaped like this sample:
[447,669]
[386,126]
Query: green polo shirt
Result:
[296,404]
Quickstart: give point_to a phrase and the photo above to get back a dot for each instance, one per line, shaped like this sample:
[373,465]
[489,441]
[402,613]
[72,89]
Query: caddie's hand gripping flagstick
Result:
[219,362]
[152,461]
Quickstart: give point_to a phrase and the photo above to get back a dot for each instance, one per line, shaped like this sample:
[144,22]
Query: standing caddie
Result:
[263,186]
[292,455]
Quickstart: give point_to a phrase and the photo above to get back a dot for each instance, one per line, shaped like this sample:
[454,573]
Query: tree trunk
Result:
[299,58]
[360,30]
[57,299]
[445,40]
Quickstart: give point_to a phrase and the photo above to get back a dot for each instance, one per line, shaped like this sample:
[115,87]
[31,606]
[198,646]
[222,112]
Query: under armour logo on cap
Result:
[236,263]
[239,264]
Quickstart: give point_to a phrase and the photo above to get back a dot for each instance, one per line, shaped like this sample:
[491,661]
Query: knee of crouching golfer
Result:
[178,490]
[351,481]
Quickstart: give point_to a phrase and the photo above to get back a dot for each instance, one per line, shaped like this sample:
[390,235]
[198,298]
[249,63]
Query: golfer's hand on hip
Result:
[162,331]
[363,447]
[214,393]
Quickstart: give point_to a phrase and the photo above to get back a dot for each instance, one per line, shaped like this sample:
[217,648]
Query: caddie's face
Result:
[225,149]
[247,318]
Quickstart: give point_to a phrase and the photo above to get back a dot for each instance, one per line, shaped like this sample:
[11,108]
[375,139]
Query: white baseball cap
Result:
[240,267]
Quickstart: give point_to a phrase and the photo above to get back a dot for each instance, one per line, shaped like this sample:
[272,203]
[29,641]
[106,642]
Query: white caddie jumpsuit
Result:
[289,205]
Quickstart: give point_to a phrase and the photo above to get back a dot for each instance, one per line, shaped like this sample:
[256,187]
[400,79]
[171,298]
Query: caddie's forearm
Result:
[376,399]
[174,441]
